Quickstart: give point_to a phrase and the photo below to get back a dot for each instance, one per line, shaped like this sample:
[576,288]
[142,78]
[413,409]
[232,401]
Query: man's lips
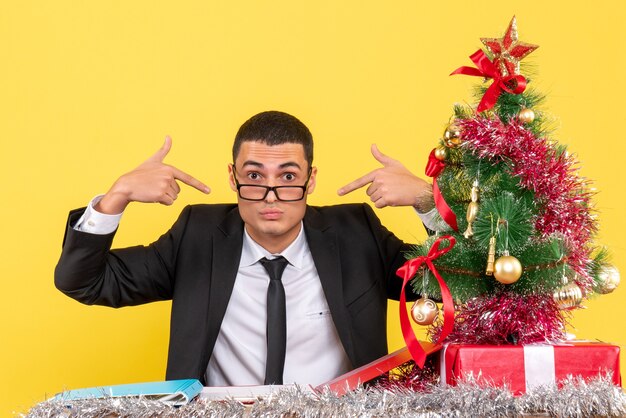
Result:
[271,213]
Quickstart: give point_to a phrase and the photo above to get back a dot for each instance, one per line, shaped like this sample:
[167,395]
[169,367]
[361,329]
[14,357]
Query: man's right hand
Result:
[152,182]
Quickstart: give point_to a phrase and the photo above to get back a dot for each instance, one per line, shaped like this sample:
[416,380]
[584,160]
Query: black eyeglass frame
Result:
[274,189]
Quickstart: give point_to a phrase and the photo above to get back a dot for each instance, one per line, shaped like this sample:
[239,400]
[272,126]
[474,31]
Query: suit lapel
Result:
[322,240]
[226,255]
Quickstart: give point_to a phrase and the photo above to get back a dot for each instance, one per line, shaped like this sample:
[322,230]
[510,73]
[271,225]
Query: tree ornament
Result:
[441,153]
[508,51]
[568,296]
[491,256]
[507,269]
[608,280]
[424,311]
[472,210]
[452,135]
[526,115]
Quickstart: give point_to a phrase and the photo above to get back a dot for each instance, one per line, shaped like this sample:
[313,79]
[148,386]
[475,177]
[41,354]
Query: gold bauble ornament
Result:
[452,135]
[441,153]
[424,311]
[608,280]
[507,269]
[568,296]
[526,115]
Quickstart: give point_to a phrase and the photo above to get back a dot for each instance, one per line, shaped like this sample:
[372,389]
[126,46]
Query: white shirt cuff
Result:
[94,222]
[433,221]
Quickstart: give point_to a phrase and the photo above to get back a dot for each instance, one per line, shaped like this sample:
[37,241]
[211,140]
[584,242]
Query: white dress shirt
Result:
[314,352]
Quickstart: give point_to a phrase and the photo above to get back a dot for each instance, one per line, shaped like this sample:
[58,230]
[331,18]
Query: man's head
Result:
[273,149]
[275,128]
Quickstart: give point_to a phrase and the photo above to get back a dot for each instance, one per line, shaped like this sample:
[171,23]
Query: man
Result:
[337,262]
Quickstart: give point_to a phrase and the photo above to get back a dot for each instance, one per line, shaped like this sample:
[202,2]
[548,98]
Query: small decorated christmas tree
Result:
[516,216]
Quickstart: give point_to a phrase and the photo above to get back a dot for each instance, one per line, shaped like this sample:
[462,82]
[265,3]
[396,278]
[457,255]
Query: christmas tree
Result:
[513,251]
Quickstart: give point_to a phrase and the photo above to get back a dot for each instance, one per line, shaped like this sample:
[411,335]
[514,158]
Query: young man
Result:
[236,320]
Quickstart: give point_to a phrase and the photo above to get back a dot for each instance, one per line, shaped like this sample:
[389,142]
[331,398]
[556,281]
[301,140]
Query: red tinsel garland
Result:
[562,197]
[507,318]
[410,376]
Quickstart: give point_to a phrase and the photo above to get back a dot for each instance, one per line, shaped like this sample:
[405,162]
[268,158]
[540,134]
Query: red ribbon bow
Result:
[514,84]
[407,271]
[433,168]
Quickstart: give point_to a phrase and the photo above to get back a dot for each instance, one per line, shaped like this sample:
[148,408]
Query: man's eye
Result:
[254,176]
[289,177]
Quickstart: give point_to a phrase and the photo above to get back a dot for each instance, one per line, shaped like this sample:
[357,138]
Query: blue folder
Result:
[174,392]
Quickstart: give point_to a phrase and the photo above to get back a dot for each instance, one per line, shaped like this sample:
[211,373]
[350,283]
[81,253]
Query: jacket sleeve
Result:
[393,252]
[90,272]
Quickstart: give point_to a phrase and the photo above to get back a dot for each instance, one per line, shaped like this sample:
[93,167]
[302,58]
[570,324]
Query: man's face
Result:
[271,222]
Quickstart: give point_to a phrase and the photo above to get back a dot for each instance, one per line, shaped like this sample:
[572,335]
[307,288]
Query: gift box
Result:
[522,368]
[351,380]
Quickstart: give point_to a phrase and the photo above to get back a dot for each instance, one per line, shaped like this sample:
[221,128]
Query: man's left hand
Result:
[390,185]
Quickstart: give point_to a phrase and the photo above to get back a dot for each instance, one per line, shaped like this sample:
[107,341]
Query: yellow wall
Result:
[89,89]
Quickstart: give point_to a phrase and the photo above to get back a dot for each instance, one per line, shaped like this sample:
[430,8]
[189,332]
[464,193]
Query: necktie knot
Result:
[275,266]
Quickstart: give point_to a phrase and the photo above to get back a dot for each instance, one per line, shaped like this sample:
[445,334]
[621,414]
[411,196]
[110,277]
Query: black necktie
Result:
[276,321]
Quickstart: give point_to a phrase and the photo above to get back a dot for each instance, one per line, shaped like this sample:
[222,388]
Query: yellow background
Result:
[88,89]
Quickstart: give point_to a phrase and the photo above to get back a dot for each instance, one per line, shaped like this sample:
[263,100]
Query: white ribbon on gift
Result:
[442,365]
[539,365]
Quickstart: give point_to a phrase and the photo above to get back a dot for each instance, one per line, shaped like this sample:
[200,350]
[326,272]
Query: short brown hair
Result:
[275,128]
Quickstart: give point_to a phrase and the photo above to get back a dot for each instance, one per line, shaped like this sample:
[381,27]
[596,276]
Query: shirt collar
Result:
[252,252]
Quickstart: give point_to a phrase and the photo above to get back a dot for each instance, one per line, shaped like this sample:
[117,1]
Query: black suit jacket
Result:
[195,264]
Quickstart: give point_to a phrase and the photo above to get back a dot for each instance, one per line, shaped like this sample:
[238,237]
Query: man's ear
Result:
[312,180]
[231,177]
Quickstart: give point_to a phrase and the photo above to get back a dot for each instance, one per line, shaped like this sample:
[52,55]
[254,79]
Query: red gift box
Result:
[349,381]
[525,367]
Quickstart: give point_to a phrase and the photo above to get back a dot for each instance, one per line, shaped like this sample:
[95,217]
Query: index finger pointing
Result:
[190,181]
[356,184]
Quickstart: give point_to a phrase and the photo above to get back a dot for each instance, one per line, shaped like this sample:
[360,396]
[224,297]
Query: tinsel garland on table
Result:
[576,398]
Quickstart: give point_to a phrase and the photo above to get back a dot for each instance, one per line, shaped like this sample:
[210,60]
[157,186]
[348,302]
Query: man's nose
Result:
[271,196]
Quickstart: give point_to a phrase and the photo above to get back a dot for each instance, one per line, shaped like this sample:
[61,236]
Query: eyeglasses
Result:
[283,193]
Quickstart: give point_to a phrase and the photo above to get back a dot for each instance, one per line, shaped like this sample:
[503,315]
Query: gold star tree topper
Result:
[508,51]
